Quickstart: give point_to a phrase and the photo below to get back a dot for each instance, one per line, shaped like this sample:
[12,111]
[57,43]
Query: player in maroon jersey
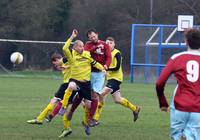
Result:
[100,52]
[185,107]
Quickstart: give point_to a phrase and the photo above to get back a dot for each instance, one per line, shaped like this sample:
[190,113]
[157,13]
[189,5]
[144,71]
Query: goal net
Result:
[37,58]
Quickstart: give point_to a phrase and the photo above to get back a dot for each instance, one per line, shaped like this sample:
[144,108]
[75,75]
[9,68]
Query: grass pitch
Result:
[23,98]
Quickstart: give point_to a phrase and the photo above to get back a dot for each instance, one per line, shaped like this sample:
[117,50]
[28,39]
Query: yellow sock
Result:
[43,114]
[66,122]
[128,104]
[98,111]
[66,97]
[85,117]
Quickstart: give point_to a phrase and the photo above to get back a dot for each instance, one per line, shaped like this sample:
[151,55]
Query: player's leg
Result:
[43,114]
[192,129]
[178,121]
[85,93]
[86,112]
[54,112]
[97,82]
[75,103]
[85,122]
[116,95]
[101,103]
[67,129]
[58,96]
[59,105]
[126,103]
[68,92]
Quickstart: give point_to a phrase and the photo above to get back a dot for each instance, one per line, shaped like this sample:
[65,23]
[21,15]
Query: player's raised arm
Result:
[66,50]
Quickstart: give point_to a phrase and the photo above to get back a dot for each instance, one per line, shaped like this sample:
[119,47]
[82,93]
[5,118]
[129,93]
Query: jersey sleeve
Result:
[160,84]
[93,62]
[108,55]
[118,58]
[67,51]
[97,65]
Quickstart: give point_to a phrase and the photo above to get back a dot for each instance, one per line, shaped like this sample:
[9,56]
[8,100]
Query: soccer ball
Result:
[16,58]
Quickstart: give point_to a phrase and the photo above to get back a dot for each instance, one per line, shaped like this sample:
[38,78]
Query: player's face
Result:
[79,47]
[111,44]
[56,63]
[93,37]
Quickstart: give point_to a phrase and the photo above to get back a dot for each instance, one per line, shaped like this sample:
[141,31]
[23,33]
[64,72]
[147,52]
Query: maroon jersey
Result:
[100,52]
[186,68]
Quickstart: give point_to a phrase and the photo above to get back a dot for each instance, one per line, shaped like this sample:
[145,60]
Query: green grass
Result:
[23,98]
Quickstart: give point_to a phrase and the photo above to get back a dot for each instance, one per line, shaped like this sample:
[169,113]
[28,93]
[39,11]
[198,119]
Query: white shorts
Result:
[97,81]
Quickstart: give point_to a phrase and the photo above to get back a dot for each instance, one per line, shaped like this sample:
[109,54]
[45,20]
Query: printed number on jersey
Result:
[192,68]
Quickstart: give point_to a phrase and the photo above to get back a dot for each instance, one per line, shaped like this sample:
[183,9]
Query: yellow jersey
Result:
[66,71]
[80,63]
[115,68]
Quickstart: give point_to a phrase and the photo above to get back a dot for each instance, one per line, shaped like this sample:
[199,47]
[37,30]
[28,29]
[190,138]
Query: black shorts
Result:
[84,90]
[114,85]
[61,91]
[71,98]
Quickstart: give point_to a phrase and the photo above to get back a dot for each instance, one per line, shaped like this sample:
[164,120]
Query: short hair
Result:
[55,56]
[110,38]
[192,37]
[90,31]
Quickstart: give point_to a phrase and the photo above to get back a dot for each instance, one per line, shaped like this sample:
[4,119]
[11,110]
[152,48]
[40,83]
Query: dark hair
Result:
[110,38]
[90,31]
[55,56]
[192,37]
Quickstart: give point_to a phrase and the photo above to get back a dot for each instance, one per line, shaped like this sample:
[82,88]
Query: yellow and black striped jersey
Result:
[115,68]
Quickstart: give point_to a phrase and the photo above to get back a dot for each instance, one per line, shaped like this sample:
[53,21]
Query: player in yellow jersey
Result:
[114,79]
[80,63]
[62,64]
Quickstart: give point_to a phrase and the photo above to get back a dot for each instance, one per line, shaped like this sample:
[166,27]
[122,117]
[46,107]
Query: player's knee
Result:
[54,100]
[95,96]
[72,86]
[117,101]
[87,104]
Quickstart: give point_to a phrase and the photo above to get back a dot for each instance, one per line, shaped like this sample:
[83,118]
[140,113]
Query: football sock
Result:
[77,100]
[56,109]
[85,117]
[66,122]
[98,111]
[127,104]
[66,97]
[43,114]
[93,108]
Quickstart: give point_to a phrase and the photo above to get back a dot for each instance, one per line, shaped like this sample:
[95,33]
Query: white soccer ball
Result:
[16,58]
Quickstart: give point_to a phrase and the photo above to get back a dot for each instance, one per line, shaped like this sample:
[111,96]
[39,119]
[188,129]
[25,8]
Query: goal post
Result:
[151,47]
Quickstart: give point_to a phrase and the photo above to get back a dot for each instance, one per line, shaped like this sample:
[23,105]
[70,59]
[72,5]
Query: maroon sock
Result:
[56,109]
[77,100]
[93,108]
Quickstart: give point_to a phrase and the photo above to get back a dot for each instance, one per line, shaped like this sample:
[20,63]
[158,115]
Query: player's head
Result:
[56,59]
[92,35]
[78,46]
[192,38]
[111,42]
